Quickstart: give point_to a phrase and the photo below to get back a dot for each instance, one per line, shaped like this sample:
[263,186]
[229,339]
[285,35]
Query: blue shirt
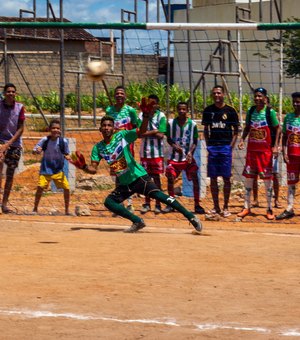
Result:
[53,159]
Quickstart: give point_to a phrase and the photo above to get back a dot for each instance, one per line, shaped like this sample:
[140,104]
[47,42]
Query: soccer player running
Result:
[125,118]
[182,136]
[221,124]
[291,154]
[133,178]
[259,150]
[152,149]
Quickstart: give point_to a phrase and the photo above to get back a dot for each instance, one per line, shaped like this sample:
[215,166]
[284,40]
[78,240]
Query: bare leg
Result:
[276,190]
[38,195]
[67,200]
[196,188]
[226,190]
[7,188]
[1,177]
[157,181]
[214,188]
[255,193]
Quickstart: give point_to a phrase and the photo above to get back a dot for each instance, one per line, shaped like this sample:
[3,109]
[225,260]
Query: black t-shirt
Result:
[220,122]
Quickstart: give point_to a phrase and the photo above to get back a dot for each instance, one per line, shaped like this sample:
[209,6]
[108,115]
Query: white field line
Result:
[118,226]
[295,332]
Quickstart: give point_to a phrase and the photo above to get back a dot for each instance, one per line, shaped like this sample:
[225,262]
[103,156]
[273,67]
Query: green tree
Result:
[291,50]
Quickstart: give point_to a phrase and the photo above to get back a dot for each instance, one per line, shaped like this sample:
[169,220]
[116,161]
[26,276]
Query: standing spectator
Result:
[182,136]
[275,171]
[12,117]
[259,150]
[55,150]
[291,154]
[152,149]
[125,118]
[221,124]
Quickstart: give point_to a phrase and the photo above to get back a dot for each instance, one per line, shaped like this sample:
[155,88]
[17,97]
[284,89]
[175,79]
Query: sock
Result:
[119,209]
[291,196]
[171,201]
[248,189]
[269,191]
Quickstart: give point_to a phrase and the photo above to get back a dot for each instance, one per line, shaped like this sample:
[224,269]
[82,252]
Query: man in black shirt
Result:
[221,125]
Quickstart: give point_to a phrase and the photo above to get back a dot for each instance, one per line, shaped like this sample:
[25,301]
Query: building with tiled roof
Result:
[43,39]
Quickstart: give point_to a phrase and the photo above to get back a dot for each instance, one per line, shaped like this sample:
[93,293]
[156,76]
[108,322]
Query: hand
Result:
[38,150]
[189,157]
[178,149]
[275,151]
[286,158]
[241,145]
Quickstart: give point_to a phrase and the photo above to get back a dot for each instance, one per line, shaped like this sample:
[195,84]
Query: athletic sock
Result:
[269,192]
[291,197]
[120,210]
[248,189]
[171,201]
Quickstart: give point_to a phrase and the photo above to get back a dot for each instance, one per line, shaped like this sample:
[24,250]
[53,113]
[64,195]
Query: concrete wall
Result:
[261,70]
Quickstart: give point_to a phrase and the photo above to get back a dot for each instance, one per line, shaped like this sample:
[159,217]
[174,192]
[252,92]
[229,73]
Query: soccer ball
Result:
[96,70]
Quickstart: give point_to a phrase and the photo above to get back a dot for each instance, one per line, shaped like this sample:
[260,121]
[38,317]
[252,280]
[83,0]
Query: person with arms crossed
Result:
[182,136]
[12,117]
[133,178]
[291,154]
[55,150]
[152,149]
[221,124]
[125,118]
[259,151]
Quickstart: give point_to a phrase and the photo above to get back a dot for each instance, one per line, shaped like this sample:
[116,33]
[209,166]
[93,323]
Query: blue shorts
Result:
[219,161]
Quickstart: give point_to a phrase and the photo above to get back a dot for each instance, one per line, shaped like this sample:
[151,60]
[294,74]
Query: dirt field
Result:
[83,278]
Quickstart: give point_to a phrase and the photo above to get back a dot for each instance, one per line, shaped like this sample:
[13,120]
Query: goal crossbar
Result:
[156,26]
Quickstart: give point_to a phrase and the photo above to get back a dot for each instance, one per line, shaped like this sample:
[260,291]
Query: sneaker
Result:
[157,210]
[199,210]
[270,215]
[226,213]
[196,224]
[167,209]
[285,215]
[214,211]
[244,213]
[130,208]
[145,208]
[135,227]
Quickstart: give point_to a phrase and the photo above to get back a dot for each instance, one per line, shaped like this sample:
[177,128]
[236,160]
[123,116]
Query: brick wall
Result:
[42,71]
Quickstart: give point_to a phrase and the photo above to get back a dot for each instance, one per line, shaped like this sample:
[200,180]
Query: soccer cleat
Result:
[145,208]
[285,215]
[244,213]
[196,224]
[270,215]
[157,209]
[199,210]
[135,227]
[167,209]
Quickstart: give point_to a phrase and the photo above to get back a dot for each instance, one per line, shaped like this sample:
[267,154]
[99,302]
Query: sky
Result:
[83,10]
[100,11]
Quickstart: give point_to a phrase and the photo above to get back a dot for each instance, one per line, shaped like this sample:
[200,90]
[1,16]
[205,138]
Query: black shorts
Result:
[143,185]
[12,157]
